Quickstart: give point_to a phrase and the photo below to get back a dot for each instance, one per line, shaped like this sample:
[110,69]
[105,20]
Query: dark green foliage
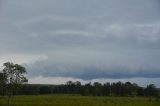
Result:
[151,90]
[11,79]
[95,89]
[2,83]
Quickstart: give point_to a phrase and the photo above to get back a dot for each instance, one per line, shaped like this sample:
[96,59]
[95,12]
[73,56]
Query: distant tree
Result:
[134,90]
[113,89]
[86,89]
[69,83]
[107,89]
[128,89]
[78,87]
[45,89]
[140,91]
[151,90]
[70,87]
[2,82]
[77,83]
[13,75]
[97,89]
[118,88]
[2,79]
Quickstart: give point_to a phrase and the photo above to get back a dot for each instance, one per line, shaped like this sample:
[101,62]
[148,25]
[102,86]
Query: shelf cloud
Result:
[82,39]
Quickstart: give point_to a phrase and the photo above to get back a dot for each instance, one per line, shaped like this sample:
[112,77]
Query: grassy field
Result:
[70,100]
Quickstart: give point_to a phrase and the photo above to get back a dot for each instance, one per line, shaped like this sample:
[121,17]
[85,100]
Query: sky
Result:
[85,40]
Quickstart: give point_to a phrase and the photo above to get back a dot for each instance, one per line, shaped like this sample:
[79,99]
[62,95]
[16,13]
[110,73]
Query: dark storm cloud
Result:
[85,39]
[92,72]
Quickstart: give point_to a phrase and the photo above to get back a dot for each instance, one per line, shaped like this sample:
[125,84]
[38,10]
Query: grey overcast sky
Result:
[86,40]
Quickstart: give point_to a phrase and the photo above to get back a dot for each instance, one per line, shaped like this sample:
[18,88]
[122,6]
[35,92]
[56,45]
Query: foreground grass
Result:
[70,100]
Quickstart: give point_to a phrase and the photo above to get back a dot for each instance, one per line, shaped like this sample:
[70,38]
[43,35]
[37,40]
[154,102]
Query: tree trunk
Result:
[9,99]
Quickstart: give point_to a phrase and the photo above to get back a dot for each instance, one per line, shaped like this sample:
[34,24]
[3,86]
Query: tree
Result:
[13,77]
[86,89]
[78,87]
[2,79]
[97,89]
[107,89]
[128,89]
[151,90]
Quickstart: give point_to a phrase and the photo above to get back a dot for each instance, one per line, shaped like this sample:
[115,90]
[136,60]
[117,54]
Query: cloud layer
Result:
[82,39]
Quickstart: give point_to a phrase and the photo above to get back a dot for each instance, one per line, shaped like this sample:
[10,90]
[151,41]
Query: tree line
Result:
[89,89]
[12,77]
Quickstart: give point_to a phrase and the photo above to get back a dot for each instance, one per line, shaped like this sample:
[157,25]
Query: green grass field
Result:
[70,100]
